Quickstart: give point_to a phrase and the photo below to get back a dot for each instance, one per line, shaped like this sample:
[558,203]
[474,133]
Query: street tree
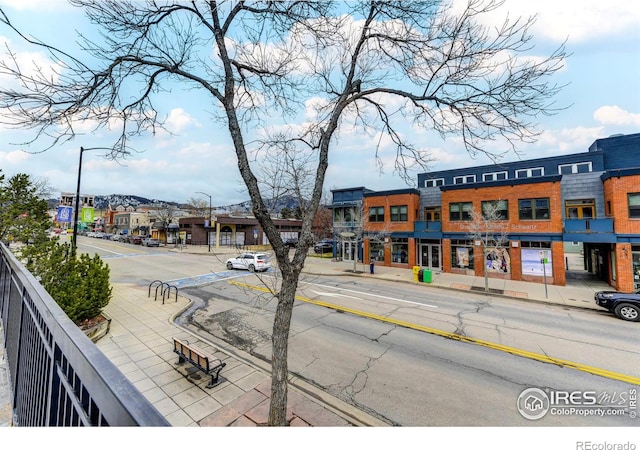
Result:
[165,214]
[297,74]
[489,227]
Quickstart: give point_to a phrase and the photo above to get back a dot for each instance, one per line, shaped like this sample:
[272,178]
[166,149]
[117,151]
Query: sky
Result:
[602,75]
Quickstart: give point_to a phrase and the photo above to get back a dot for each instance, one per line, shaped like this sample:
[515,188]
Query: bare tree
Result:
[198,207]
[165,215]
[489,226]
[371,66]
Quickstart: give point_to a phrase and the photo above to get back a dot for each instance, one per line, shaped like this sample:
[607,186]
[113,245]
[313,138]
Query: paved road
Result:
[403,376]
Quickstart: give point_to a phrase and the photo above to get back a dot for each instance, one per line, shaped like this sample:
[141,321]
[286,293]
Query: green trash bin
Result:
[427,276]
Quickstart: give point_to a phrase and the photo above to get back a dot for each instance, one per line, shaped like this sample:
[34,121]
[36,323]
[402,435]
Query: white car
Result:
[254,262]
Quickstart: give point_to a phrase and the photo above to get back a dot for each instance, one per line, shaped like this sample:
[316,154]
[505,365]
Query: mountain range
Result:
[103,202]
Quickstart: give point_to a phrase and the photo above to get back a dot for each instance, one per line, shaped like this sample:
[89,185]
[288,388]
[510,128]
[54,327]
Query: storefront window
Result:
[536,261]
[400,250]
[462,254]
[376,250]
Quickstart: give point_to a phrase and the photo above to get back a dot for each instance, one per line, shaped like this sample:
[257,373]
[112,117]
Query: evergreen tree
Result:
[23,215]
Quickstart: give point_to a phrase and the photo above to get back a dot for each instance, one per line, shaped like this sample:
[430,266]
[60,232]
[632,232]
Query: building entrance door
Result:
[430,256]
[348,250]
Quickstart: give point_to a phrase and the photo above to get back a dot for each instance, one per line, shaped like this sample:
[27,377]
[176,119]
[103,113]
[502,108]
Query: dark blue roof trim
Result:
[392,192]
[517,181]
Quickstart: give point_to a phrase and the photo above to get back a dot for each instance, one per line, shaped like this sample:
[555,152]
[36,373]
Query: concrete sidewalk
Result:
[140,345]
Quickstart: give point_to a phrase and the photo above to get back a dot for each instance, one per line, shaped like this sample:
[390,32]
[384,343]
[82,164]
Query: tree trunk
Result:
[485,269]
[280,340]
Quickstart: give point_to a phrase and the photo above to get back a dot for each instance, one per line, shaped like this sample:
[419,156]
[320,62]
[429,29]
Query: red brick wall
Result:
[511,193]
[412,201]
[624,269]
[413,210]
[615,192]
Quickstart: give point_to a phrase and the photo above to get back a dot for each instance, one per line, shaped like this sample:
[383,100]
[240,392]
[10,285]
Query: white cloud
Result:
[584,20]
[15,157]
[614,115]
[36,5]
[179,120]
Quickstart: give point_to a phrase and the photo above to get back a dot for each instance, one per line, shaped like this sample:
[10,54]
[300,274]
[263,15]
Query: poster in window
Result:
[462,254]
[532,262]
[498,260]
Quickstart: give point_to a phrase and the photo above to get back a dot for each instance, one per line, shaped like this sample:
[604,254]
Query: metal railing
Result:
[58,377]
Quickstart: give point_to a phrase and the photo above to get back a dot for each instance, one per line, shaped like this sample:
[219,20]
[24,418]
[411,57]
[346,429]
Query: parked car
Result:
[254,262]
[150,242]
[625,306]
[291,242]
[135,239]
[119,237]
[323,247]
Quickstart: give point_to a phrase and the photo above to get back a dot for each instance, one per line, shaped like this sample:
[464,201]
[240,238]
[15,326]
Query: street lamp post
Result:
[74,238]
[209,230]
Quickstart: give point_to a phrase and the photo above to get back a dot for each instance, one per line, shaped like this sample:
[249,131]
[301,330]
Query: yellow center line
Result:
[449,335]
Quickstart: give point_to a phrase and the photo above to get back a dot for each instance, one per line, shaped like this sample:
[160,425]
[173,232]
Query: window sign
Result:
[498,260]
[462,257]
[533,260]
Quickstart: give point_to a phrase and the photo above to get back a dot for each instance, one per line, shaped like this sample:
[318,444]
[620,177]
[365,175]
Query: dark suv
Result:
[324,247]
[624,306]
[291,242]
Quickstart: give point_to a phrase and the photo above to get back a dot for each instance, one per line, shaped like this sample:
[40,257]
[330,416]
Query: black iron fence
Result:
[58,377]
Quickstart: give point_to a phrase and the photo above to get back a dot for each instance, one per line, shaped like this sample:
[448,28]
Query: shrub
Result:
[80,285]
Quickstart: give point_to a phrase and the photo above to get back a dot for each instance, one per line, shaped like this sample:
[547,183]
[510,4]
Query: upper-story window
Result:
[433,183]
[533,208]
[583,167]
[528,173]
[344,214]
[460,211]
[580,209]
[399,213]
[634,205]
[495,210]
[494,176]
[432,214]
[464,179]
[376,214]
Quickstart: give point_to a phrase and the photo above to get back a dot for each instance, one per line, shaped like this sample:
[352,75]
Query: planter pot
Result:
[98,327]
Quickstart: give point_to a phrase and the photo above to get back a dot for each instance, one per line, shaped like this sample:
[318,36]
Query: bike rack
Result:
[165,291]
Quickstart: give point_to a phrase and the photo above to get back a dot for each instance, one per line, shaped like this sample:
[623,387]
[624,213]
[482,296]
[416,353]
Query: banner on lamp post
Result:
[87,215]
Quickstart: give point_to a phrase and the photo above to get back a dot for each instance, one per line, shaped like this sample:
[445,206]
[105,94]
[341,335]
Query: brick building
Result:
[585,202]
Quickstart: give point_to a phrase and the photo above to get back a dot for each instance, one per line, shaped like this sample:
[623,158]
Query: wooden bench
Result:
[209,364]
